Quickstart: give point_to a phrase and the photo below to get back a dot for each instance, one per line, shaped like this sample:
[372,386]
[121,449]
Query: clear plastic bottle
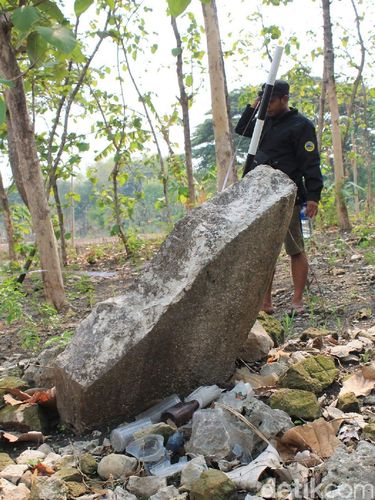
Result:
[306,223]
[122,435]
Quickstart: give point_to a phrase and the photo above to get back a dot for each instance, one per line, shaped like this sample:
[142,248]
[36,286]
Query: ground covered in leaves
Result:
[320,374]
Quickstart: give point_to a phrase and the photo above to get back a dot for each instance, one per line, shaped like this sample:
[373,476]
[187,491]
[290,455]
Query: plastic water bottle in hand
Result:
[306,222]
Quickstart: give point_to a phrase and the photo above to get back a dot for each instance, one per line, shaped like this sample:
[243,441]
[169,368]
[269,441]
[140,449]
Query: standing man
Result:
[288,143]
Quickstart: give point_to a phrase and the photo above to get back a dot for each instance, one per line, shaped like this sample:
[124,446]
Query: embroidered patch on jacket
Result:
[309,146]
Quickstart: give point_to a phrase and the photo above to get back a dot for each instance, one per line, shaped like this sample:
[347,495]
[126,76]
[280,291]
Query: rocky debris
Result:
[5,460]
[88,464]
[257,345]
[192,472]
[369,431]
[65,461]
[121,494]
[53,459]
[161,428]
[168,493]
[223,249]
[296,403]
[349,475]
[10,491]
[314,333]
[117,466]
[272,326]
[348,402]
[276,368]
[78,447]
[22,418]
[68,474]
[145,487]
[212,485]
[13,473]
[314,373]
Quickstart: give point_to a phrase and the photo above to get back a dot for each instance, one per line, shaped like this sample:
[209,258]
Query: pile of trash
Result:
[291,428]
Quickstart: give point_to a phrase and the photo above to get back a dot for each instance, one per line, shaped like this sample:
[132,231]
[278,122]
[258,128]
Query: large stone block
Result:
[184,320]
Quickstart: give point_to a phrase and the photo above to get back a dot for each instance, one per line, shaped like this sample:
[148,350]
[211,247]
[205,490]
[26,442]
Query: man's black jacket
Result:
[288,143]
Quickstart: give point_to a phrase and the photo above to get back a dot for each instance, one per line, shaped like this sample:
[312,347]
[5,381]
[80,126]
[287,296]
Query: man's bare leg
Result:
[300,270]
[267,300]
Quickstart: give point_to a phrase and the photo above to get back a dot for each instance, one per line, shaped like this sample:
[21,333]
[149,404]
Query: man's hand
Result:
[311,209]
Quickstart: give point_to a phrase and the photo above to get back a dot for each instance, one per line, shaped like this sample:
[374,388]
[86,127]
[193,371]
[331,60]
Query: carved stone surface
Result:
[184,320]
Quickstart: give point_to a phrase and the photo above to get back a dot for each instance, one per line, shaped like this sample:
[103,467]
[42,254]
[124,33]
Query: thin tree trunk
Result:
[342,211]
[355,174]
[184,102]
[117,210]
[322,102]
[7,220]
[72,215]
[367,151]
[223,142]
[14,162]
[60,218]
[31,175]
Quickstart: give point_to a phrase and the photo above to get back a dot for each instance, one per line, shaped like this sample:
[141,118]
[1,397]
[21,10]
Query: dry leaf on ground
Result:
[318,437]
[341,351]
[362,383]
[350,417]
[246,477]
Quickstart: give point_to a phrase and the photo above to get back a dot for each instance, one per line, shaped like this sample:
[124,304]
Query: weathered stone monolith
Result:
[183,322]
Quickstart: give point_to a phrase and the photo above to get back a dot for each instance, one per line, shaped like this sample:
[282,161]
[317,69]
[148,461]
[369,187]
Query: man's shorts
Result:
[293,242]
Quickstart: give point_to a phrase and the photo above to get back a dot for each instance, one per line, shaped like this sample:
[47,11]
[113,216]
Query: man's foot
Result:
[267,308]
[296,310]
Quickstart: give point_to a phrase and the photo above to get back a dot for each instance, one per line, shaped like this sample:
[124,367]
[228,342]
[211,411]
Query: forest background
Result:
[105,83]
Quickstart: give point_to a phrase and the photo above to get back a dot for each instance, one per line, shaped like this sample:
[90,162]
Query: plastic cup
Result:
[147,449]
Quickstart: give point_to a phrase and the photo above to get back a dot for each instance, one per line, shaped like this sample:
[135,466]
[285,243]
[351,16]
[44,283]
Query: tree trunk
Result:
[117,211]
[13,160]
[322,102]
[223,141]
[60,217]
[31,175]
[342,211]
[355,173]
[368,151]
[184,102]
[7,220]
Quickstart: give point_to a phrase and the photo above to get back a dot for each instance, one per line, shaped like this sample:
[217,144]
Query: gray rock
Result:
[28,456]
[198,298]
[168,493]
[40,372]
[53,458]
[117,466]
[5,460]
[13,473]
[10,491]
[193,471]
[78,447]
[87,464]
[258,344]
[45,448]
[48,488]
[349,475]
[27,479]
[145,487]
[121,494]
[212,485]
[22,418]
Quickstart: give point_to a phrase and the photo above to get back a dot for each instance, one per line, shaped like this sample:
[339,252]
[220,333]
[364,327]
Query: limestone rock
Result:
[65,461]
[168,493]
[212,485]
[348,402]
[39,373]
[349,475]
[45,448]
[68,474]
[87,464]
[312,374]
[13,473]
[257,345]
[12,492]
[27,479]
[121,494]
[296,403]
[273,327]
[117,466]
[48,488]
[193,471]
[22,418]
[30,456]
[5,460]
[75,489]
[52,459]
[145,487]
[198,299]
[276,368]
[369,432]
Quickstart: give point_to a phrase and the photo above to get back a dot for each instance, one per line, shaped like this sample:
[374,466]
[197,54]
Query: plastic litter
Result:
[204,395]
[175,442]
[236,397]
[166,469]
[123,434]
[147,449]
[154,413]
[180,413]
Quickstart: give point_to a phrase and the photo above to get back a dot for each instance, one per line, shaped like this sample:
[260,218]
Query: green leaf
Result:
[80,6]
[189,80]
[8,83]
[58,36]
[51,9]
[177,7]
[111,3]
[154,48]
[36,47]
[2,111]
[83,146]
[24,17]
